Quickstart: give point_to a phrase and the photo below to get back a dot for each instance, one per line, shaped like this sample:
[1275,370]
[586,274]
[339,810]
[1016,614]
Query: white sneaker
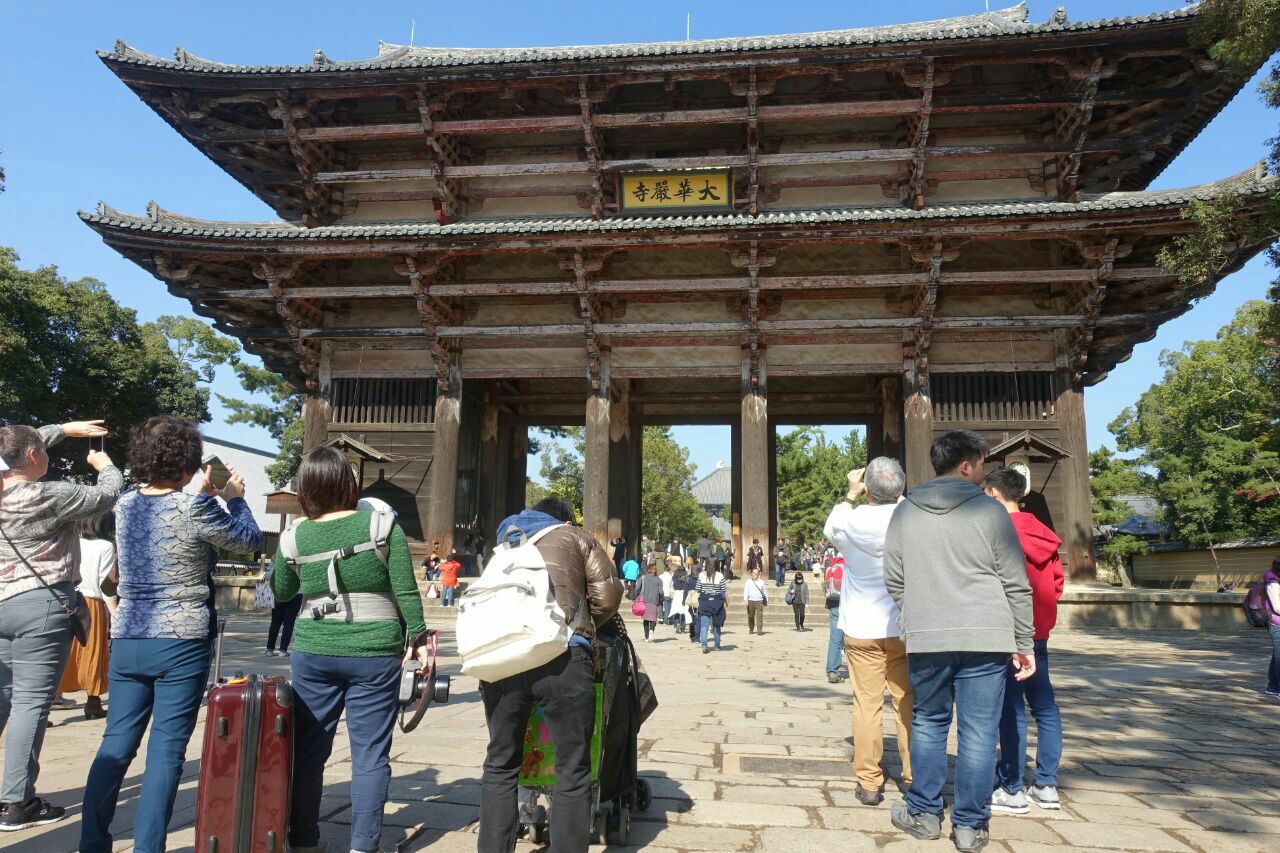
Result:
[1045,797]
[1003,801]
[319,848]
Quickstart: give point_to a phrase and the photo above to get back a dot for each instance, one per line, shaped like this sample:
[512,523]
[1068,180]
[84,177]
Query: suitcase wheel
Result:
[644,795]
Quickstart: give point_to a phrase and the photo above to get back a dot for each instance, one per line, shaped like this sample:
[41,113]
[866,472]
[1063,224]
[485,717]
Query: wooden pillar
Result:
[315,418]
[891,419]
[517,467]
[1077,527]
[491,485]
[875,438]
[918,434]
[595,491]
[444,463]
[635,486]
[755,462]
[735,505]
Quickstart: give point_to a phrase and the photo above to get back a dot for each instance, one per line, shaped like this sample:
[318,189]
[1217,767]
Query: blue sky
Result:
[73,134]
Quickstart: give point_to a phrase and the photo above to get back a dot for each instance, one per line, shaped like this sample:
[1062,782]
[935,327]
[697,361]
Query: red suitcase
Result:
[246,767]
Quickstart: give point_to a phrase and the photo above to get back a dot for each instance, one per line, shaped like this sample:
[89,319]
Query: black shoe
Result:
[34,812]
[868,798]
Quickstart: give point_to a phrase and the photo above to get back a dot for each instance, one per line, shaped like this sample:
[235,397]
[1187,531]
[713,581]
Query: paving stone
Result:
[1126,815]
[782,796]
[1120,837]
[716,838]
[681,758]
[681,745]
[1023,828]
[1233,842]
[1108,798]
[1236,822]
[719,813]
[778,840]
[859,818]
[1186,803]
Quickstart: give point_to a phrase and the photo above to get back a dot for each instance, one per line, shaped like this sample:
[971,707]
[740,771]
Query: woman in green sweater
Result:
[348,646]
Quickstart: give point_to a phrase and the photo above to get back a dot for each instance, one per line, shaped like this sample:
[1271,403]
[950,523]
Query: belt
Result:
[353,607]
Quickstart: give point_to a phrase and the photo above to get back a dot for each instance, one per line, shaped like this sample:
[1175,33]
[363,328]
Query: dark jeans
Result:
[565,690]
[323,685]
[1273,672]
[708,625]
[161,682]
[835,640]
[1037,692]
[974,683]
[283,616]
[779,574]
[694,628]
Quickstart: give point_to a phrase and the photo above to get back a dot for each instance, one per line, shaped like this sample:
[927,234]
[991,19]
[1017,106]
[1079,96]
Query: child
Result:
[1044,571]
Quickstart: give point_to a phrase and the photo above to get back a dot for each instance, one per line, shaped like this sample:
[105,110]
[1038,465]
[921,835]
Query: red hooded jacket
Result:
[1044,570]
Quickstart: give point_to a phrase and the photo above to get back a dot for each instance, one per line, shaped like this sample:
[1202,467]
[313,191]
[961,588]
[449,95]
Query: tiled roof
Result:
[1011,22]
[715,489]
[1253,181]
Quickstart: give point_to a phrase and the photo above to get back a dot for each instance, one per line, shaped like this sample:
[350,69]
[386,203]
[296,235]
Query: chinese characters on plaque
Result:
[701,191]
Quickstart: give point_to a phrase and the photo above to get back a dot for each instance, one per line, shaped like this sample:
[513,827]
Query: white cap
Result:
[375,505]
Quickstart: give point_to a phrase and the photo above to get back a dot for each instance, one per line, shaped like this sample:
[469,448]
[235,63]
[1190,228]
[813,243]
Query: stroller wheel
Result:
[599,827]
[620,825]
[540,825]
[644,795]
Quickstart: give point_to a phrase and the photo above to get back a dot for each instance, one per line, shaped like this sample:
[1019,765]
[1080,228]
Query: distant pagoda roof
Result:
[157,221]
[1004,23]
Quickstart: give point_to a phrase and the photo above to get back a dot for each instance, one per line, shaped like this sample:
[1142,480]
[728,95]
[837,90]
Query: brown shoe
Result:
[868,798]
[93,709]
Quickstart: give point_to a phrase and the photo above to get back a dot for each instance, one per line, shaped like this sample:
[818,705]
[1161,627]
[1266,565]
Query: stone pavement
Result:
[1169,747]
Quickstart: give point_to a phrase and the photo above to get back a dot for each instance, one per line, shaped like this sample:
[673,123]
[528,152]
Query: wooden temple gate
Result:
[915,228]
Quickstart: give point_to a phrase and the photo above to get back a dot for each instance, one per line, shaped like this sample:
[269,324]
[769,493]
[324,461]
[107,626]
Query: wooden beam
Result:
[918,138]
[1075,129]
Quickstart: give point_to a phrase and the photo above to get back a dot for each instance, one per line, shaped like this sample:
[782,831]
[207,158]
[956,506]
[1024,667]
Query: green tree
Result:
[812,476]
[668,508]
[1109,477]
[69,351]
[281,416]
[1209,429]
[1242,34]
[562,469]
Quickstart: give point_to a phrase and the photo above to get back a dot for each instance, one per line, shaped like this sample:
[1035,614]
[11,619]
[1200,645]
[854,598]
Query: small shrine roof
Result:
[1010,22]
[1253,181]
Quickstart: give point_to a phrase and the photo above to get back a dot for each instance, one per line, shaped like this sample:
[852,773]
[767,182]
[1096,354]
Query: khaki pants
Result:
[874,665]
[755,616]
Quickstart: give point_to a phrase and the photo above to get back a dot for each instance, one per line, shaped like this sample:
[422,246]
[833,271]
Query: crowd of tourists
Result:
[945,597]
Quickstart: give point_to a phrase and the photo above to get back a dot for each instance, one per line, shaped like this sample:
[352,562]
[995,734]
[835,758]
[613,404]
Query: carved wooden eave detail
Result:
[1073,124]
[917,341]
[753,260]
[924,79]
[295,315]
[752,87]
[591,311]
[308,160]
[1102,257]
[445,152]
[594,150]
[432,311]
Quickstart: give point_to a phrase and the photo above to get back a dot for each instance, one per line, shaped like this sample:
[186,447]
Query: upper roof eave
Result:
[1253,181]
[1003,24]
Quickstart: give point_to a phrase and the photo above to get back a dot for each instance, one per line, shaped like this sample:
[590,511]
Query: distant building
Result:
[714,493]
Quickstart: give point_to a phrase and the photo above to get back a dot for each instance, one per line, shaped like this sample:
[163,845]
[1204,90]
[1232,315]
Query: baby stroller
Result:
[622,689]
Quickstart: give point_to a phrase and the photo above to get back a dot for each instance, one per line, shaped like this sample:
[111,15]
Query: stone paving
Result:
[1170,746]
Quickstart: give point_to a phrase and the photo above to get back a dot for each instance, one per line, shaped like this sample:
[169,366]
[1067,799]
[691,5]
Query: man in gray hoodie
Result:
[955,567]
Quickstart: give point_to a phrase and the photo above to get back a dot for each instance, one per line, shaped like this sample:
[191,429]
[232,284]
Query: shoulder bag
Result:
[77,611]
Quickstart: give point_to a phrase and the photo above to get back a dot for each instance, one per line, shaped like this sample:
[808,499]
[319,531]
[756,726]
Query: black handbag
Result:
[77,611]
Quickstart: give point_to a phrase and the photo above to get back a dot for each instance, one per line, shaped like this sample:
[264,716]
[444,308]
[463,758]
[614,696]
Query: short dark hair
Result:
[1008,482]
[325,483]
[556,507]
[952,448]
[16,442]
[164,449]
[100,526]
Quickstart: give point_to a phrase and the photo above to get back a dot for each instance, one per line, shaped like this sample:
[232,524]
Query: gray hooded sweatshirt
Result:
[954,565]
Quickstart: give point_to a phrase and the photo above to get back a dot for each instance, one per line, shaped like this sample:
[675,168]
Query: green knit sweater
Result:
[360,573]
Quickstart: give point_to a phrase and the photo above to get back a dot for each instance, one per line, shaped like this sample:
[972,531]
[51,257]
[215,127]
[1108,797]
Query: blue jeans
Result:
[1038,693]
[446,596]
[835,640]
[367,688]
[779,574]
[974,683]
[160,682]
[708,622]
[1273,671]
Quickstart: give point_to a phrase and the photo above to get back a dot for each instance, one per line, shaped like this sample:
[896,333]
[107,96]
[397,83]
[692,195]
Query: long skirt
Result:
[87,667]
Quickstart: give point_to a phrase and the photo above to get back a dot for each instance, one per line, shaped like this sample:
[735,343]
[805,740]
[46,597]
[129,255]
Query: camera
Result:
[415,683]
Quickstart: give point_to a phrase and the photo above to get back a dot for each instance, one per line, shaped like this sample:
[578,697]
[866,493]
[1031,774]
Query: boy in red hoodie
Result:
[1044,571]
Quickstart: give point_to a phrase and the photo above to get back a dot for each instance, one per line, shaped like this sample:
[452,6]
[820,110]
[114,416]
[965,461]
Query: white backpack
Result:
[508,620]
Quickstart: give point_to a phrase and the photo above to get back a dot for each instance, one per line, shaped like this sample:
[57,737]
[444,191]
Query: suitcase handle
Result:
[217,651]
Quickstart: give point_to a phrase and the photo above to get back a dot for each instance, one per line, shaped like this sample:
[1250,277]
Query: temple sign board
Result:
[703,190]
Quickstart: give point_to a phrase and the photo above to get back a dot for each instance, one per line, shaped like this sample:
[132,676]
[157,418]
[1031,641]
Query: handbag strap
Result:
[23,559]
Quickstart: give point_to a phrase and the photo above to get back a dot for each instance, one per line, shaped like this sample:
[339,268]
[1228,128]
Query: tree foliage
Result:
[1110,476]
[69,351]
[281,416]
[1209,428]
[812,477]
[563,473]
[668,508]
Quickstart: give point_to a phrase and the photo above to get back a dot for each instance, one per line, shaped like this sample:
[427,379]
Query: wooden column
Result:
[635,486]
[444,463]
[735,506]
[1077,527]
[918,434]
[315,417]
[891,418]
[517,467]
[491,485]
[595,492]
[755,462]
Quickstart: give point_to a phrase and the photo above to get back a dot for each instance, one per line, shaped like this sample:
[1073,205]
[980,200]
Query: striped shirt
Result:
[715,585]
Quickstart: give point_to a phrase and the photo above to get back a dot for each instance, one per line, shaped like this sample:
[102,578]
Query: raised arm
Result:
[232,529]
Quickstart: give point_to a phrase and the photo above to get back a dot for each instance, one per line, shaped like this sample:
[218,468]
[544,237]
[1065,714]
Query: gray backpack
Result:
[349,606]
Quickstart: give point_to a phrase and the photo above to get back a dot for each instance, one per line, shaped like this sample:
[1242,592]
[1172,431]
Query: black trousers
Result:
[565,690]
[799,613]
[283,615]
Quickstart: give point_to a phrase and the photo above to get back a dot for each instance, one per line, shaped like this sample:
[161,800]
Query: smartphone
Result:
[219,474]
[98,444]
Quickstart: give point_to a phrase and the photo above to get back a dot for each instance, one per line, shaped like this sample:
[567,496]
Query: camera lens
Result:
[440,689]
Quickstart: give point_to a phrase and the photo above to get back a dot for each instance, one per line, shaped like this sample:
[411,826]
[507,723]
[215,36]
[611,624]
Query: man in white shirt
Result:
[875,654]
[756,598]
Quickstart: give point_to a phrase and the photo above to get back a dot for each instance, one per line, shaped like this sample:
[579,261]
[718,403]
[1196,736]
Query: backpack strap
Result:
[380,525]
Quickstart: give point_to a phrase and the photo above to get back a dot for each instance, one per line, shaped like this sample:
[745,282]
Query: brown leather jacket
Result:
[578,564]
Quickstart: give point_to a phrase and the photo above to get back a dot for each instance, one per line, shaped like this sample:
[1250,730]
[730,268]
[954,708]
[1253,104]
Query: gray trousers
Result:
[35,639]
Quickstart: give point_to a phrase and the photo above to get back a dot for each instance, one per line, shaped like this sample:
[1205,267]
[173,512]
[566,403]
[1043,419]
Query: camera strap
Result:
[427,675]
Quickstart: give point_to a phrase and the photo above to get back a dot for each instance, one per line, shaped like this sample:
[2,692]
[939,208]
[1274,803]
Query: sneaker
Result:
[833,677]
[868,798]
[1046,796]
[926,827]
[34,812]
[61,702]
[706,651]
[1003,801]
[319,848]
[1271,691]
[970,840]
[272,653]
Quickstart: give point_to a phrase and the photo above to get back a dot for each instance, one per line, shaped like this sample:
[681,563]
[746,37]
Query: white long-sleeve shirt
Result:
[753,590]
[867,612]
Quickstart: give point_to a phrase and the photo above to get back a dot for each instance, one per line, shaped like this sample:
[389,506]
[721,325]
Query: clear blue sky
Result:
[73,134]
